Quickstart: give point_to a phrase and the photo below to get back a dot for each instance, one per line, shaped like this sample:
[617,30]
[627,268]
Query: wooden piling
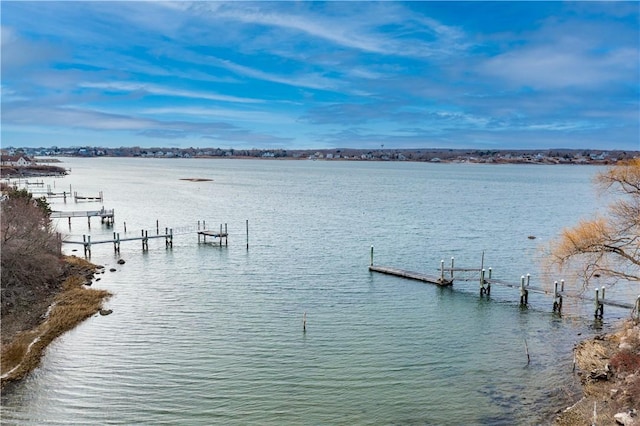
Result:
[451,276]
[524,293]
[247,234]
[304,322]
[371,263]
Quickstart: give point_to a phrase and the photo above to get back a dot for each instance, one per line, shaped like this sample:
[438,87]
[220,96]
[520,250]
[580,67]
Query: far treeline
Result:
[543,156]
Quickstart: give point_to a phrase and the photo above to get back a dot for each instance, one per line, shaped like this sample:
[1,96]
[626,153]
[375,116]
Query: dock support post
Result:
[637,308]
[89,220]
[441,270]
[247,234]
[125,227]
[451,269]
[524,293]
[89,245]
[483,291]
[557,299]
[220,235]
[166,237]
[157,227]
[488,290]
[599,312]
[371,262]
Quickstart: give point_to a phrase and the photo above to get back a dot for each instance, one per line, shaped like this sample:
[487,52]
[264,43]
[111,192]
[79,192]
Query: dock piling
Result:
[371,263]
[524,293]
[451,276]
[247,234]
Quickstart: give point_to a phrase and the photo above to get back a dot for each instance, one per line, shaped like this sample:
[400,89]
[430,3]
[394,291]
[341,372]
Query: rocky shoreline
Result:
[609,370]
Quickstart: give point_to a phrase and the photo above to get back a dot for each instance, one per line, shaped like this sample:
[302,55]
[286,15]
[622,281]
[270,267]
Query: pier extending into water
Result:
[106,215]
[446,279]
[144,237]
[204,233]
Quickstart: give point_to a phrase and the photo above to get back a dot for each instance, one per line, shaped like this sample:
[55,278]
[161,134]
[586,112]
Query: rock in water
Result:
[106,311]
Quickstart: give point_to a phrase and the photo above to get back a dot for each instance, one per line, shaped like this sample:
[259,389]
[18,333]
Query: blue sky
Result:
[298,75]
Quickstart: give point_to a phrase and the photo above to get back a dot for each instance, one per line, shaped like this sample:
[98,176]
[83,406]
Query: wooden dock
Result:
[486,281]
[431,279]
[116,240]
[204,233]
[105,215]
[79,198]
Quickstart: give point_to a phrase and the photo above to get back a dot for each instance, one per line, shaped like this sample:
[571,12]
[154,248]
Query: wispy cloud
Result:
[349,74]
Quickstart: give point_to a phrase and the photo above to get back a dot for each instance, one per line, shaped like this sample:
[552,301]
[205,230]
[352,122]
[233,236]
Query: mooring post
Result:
[523,292]
[482,289]
[556,298]
[442,270]
[226,235]
[89,244]
[451,275]
[247,234]
[171,237]
[597,303]
[166,237]
[89,220]
[157,227]
[488,289]
[304,322]
[220,235]
[125,227]
[118,238]
[371,263]
[115,250]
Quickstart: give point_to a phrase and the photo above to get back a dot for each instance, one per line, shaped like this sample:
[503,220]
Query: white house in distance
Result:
[15,160]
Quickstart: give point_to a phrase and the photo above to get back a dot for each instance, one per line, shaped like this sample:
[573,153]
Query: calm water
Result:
[202,334]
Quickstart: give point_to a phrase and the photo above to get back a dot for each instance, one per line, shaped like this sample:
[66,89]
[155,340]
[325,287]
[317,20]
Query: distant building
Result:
[16,160]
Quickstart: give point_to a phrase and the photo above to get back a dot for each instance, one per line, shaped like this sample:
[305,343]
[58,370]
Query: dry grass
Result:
[72,305]
[620,391]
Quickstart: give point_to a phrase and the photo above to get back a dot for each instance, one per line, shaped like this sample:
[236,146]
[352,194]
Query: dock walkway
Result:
[432,279]
[105,215]
[486,281]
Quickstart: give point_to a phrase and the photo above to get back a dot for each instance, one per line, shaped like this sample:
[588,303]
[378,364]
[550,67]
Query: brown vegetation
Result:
[43,293]
[72,305]
[607,247]
[609,368]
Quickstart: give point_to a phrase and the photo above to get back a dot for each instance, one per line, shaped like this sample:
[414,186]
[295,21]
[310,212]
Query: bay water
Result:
[202,334]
